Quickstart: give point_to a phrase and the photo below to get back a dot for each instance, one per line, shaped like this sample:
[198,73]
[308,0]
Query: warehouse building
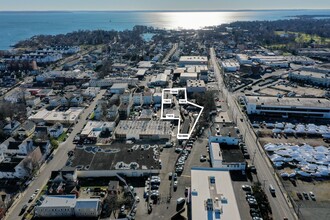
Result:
[230,65]
[192,60]
[143,130]
[196,86]
[311,76]
[288,106]
[184,77]
[212,195]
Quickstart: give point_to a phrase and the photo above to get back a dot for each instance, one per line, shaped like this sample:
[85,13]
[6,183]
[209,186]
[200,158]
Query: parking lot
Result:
[310,209]
[165,207]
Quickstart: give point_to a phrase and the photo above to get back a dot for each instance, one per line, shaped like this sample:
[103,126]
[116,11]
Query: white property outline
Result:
[175,91]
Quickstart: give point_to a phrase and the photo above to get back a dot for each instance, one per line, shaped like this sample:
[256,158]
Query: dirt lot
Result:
[266,137]
[291,139]
[301,90]
[270,91]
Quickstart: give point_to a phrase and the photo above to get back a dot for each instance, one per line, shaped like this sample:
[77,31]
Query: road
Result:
[170,53]
[266,173]
[59,160]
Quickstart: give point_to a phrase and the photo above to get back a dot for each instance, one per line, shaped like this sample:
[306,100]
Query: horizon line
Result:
[168,10]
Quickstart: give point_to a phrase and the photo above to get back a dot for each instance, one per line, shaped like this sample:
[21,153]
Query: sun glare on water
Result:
[194,20]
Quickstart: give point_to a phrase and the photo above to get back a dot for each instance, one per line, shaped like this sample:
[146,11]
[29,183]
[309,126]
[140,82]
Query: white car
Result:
[137,199]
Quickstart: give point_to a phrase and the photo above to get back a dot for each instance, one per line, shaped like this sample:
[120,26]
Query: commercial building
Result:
[107,82]
[312,76]
[230,65]
[212,195]
[184,77]
[118,88]
[64,117]
[158,80]
[192,60]
[196,86]
[273,61]
[93,129]
[146,64]
[288,106]
[227,157]
[143,130]
[243,59]
[68,206]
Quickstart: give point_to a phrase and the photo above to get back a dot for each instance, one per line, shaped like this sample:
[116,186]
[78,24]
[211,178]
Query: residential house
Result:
[41,132]
[26,129]
[11,146]
[63,182]
[11,127]
[113,112]
[56,130]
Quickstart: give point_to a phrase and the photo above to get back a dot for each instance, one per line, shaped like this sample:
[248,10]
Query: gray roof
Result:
[289,101]
[87,203]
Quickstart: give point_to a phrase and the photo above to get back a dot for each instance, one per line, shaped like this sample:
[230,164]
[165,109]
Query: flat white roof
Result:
[230,63]
[93,125]
[193,58]
[191,75]
[59,201]
[215,147]
[215,184]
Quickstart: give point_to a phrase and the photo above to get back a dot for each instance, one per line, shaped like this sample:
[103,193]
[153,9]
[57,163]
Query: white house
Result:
[11,146]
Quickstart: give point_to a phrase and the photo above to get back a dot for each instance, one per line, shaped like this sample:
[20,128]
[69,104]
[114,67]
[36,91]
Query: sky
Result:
[108,5]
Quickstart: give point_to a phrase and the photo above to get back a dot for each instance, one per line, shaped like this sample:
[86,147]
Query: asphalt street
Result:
[59,160]
[266,174]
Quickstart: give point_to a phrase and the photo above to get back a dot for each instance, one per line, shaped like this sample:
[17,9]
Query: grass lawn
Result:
[305,38]
[62,137]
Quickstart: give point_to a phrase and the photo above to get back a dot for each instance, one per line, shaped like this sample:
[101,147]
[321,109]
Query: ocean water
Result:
[16,26]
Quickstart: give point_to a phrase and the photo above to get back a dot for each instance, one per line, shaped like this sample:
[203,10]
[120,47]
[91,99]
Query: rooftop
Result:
[59,201]
[116,156]
[195,83]
[212,188]
[193,58]
[289,101]
[312,74]
[119,86]
[191,75]
[143,127]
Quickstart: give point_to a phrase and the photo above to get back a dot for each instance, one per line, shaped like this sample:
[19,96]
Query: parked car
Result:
[23,209]
[305,195]
[202,158]
[299,195]
[311,194]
